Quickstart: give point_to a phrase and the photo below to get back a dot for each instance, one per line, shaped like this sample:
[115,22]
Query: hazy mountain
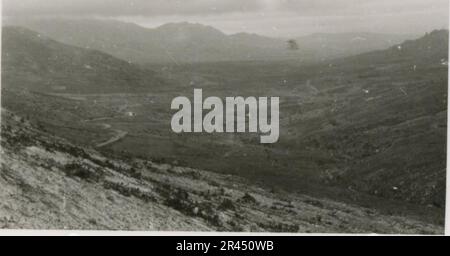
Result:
[247,39]
[187,42]
[175,42]
[33,61]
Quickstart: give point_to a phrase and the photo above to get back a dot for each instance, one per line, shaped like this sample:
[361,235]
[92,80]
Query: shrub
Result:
[249,199]
[227,204]
[81,171]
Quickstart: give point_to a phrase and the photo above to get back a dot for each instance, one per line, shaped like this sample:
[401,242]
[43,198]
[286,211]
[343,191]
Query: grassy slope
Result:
[34,62]
[48,183]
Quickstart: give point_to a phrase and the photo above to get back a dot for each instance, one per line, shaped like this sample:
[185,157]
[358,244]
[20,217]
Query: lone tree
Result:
[292,45]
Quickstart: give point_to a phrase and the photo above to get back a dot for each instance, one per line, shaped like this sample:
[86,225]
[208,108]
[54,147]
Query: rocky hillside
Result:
[49,183]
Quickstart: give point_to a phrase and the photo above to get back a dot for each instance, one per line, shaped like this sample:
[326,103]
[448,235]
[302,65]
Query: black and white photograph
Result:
[224,116]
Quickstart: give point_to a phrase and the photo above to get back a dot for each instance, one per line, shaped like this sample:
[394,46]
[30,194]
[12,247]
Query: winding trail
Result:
[118,134]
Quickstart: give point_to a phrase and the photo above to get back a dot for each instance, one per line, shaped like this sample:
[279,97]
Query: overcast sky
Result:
[283,18]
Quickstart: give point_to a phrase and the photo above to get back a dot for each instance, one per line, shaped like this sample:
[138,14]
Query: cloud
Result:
[268,17]
[110,8]
[359,7]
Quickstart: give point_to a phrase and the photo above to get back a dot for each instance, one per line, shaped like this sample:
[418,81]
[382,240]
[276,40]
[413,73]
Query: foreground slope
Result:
[48,183]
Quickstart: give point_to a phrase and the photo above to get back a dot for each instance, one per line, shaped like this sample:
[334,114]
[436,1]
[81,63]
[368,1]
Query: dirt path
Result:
[118,136]
[97,119]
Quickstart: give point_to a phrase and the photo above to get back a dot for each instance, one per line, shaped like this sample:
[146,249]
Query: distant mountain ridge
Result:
[190,43]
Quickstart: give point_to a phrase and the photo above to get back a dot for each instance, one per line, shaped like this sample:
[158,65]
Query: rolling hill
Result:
[36,62]
[432,48]
[387,120]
